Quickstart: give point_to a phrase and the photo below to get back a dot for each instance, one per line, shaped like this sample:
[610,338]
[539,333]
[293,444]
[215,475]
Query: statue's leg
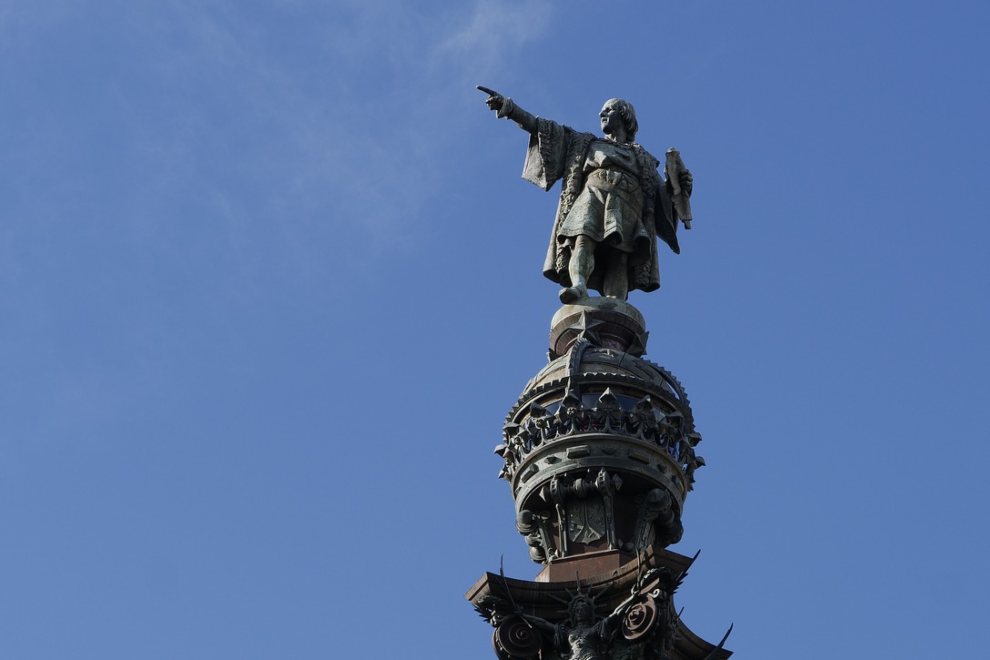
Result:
[580,267]
[616,281]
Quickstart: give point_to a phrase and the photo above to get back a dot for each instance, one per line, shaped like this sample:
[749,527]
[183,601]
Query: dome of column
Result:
[599,451]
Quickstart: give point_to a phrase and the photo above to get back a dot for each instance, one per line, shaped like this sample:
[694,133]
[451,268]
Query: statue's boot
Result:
[573,293]
[580,267]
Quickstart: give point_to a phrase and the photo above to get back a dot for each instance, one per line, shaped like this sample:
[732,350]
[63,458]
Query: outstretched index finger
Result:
[490,92]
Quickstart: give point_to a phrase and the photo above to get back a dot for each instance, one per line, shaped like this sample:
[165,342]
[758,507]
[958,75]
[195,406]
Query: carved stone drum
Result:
[599,448]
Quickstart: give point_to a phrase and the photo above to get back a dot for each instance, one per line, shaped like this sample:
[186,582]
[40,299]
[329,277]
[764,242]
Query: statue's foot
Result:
[573,294]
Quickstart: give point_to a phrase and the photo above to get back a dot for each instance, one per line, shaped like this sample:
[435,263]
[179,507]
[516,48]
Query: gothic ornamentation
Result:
[643,626]
[643,421]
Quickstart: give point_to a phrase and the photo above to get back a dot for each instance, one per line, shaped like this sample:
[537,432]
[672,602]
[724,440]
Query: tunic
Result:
[609,209]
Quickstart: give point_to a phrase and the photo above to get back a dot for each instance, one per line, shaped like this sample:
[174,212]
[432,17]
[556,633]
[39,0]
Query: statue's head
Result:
[571,404]
[581,610]
[621,110]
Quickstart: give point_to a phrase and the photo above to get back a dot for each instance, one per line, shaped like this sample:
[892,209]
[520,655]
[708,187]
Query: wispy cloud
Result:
[313,127]
[394,76]
[494,31]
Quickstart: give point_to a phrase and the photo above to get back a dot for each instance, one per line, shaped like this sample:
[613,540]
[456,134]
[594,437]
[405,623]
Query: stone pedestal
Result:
[608,322]
[588,564]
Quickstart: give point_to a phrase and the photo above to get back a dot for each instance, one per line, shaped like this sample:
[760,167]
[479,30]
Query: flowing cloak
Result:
[559,152]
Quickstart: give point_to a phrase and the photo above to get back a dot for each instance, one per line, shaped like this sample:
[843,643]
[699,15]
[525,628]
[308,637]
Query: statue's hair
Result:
[628,114]
[575,600]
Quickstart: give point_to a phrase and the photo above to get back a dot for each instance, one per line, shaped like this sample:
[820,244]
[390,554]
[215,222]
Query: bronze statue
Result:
[582,638]
[613,201]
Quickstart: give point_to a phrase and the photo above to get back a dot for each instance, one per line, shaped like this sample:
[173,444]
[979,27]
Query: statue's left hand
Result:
[686,181]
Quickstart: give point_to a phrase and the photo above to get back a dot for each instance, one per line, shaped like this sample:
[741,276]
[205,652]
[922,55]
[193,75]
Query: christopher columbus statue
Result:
[613,201]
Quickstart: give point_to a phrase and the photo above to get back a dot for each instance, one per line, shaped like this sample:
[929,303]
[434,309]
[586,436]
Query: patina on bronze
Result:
[613,202]
[600,449]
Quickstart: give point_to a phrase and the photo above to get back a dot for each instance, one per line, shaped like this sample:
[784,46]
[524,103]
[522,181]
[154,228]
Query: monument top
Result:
[614,203]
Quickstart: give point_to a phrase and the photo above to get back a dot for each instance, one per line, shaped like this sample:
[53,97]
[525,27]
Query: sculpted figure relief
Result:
[583,638]
[613,201]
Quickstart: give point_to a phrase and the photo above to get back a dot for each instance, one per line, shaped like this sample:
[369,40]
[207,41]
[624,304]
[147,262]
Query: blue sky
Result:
[269,281]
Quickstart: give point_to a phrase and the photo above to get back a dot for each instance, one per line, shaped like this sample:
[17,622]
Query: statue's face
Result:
[611,117]
[582,611]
